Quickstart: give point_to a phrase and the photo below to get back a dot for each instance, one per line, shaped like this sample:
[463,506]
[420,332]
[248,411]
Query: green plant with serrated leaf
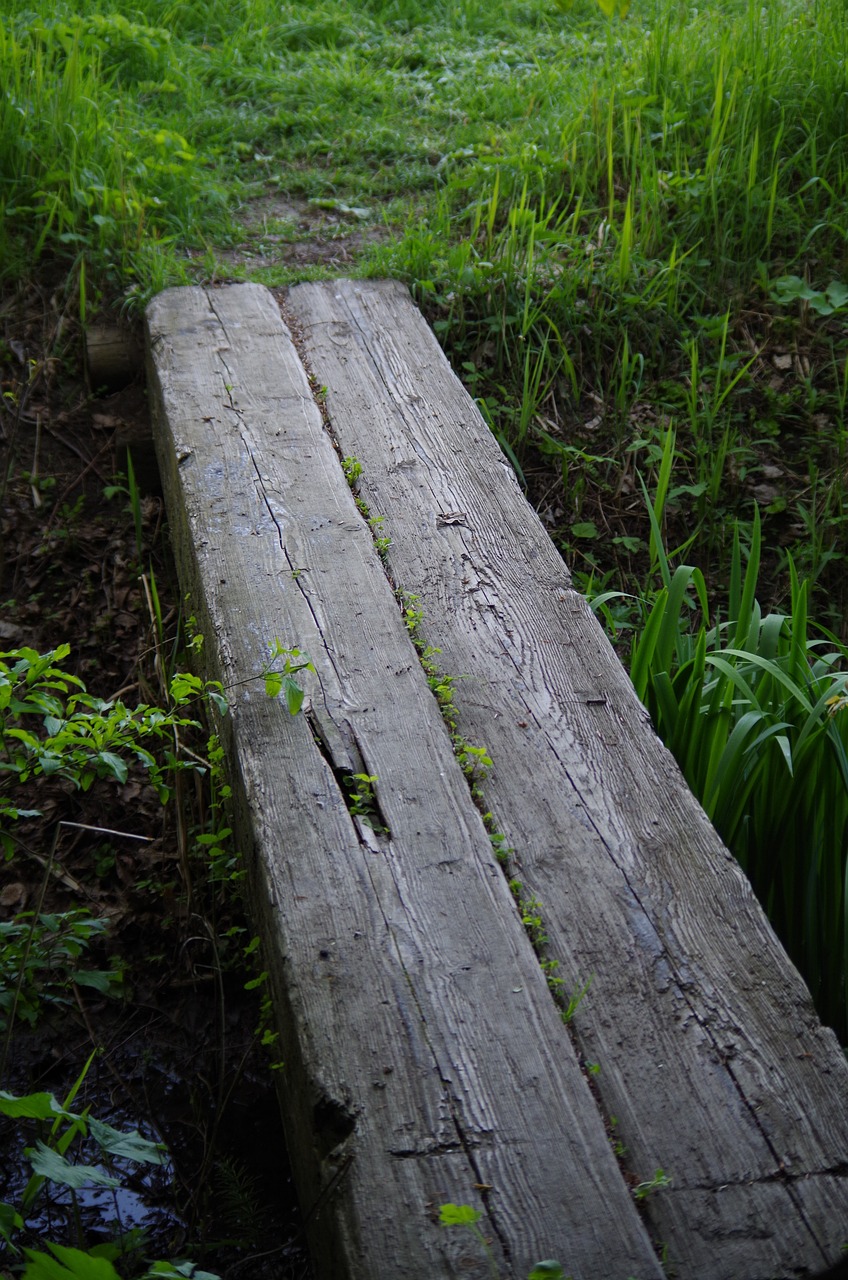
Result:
[382,541]
[475,762]
[41,959]
[279,673]
[362,800]
[51,726]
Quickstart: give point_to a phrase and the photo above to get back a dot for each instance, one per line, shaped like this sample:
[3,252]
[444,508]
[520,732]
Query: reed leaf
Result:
[756,713]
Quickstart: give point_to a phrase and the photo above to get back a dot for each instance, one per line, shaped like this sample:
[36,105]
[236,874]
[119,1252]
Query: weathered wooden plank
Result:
[424,1058]
[712,1059]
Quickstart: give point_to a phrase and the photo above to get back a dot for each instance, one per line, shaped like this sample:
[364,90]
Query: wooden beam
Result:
[425,1061]
[712,1061]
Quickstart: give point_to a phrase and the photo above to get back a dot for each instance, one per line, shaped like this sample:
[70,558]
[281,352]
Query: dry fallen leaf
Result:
[13,895]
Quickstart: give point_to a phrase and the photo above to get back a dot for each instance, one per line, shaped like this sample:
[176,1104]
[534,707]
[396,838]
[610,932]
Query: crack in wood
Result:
[431,1149]
[260,485]
[343,754]
[782,1175]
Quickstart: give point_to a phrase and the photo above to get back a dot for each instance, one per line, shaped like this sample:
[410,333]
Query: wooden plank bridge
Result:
[426,1059]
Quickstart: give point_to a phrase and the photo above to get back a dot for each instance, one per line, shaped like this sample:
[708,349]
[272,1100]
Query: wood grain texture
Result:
[712,1059]
[424,1058]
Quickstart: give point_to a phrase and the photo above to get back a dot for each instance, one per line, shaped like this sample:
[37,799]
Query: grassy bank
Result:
[613,225]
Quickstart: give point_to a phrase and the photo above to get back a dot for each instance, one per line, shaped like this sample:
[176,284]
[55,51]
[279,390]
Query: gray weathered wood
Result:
[425,1060]
[712,1059]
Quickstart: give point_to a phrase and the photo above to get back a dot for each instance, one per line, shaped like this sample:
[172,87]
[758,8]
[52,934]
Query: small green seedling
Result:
[659,1182]
[381,540]
[575,1000]
[362,800]
[475,763]
[282,679]
[464,1215]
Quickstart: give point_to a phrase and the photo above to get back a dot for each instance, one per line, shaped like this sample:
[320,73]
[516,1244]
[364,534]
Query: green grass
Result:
[630,235]
[616,264]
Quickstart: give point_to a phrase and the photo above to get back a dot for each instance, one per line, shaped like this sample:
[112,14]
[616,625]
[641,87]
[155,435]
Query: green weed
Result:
[465,1215]
[50,725]
[279,671]
[362,800]
[42,957]
[660,1182]
[56,1130]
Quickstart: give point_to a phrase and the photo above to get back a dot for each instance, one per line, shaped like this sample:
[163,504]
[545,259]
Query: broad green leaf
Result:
[129,1145]
[791,288]
[273,683]
[218,701]
[547,1270]
[184,686]
[49,1164]
[114,764]
[102,980]
[183,1270]
[294,695]
[35,1106]
[40,1266]
[67,1264]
